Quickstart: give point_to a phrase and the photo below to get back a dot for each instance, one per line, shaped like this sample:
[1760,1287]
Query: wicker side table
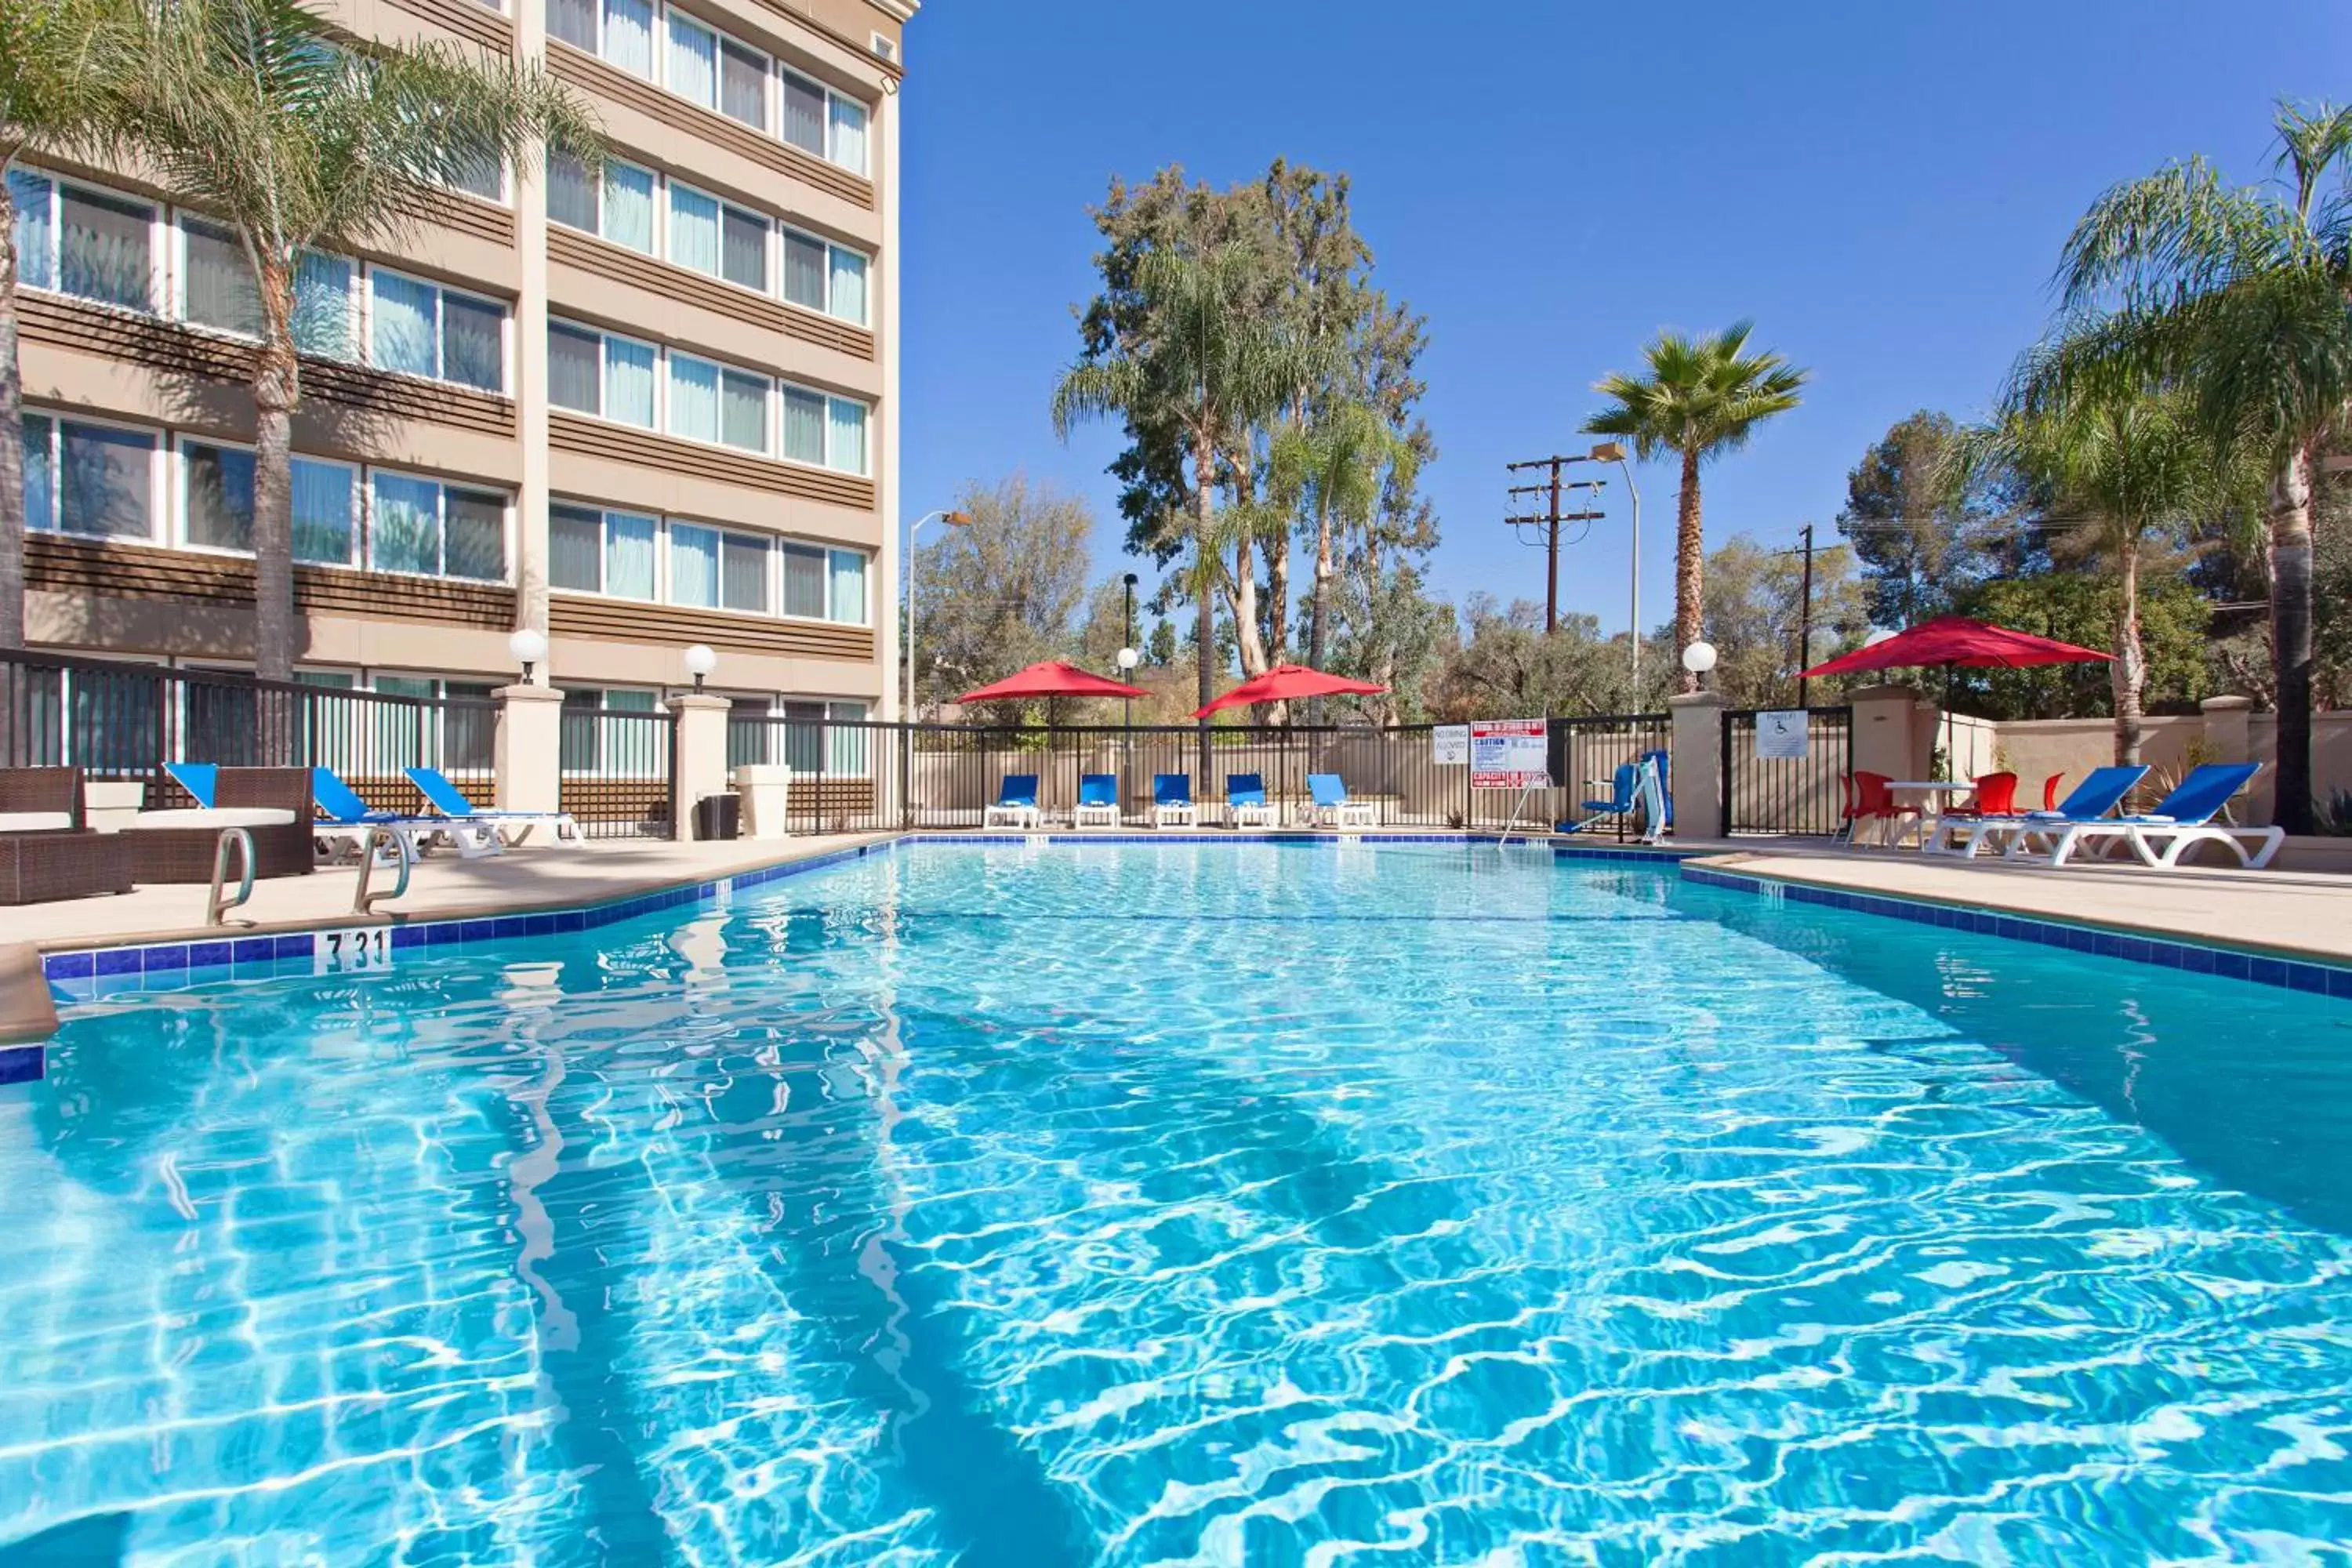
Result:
[36,868]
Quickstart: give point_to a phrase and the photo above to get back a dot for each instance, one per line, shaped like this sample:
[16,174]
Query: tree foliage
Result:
[1002,590]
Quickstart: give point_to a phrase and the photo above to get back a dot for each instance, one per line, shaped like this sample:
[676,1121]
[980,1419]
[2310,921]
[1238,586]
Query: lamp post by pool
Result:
[952,519]
[699,662]
[528,648]
[1614,452]
[1698,659]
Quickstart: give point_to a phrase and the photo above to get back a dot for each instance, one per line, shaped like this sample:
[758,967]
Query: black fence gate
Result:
[1784,770]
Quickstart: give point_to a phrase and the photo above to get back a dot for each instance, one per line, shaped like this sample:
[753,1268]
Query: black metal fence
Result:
[1783,773]
[617,766]
[122,723]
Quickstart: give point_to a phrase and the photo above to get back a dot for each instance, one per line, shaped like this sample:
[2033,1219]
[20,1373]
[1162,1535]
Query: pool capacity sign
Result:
[1508,754]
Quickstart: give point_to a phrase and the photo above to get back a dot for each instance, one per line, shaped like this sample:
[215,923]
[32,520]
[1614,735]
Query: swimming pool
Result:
[1153,1204]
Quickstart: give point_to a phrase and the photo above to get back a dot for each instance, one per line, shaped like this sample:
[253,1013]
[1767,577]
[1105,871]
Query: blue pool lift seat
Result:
[1624,794]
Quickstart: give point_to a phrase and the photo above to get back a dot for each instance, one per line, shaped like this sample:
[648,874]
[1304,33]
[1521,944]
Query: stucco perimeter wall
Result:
[2034,749]
[2331,755]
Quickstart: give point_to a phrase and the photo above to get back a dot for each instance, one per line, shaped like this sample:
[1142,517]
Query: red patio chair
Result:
[2050,791]
[1873,801]
[1996,796]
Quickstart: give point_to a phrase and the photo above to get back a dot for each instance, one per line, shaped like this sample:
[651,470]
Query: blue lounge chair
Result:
[511,827]
[1624,794]
[346,823]
[1016,800]
[2179,822]
[2101,791]
[1171,801]
[1098,801]
[1246,804]
[1332,806]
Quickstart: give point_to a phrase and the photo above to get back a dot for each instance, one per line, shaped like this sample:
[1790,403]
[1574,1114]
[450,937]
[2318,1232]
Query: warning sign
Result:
[1508,754]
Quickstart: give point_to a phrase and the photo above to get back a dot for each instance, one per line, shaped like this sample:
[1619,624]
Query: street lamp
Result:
[699,662]
[528,648]
[1614,452]
[953,519]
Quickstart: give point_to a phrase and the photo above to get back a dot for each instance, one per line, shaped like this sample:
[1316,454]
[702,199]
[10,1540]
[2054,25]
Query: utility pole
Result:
[1547,523]
[1804,618]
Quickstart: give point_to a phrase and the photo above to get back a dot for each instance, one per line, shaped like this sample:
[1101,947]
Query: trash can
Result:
[718,816]
[763,788]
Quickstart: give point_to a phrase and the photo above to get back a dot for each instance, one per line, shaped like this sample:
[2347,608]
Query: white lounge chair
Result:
[1334,809]
[1171,801]
[2179,822]
[1245,803]
[1016,802]
[1098,801]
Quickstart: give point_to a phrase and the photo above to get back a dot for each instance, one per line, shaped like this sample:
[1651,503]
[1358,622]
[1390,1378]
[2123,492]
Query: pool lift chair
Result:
[1635,786]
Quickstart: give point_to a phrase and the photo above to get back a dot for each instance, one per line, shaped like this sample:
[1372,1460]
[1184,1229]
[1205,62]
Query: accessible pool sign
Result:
[1508,754]
[1449,745]
[1783,735]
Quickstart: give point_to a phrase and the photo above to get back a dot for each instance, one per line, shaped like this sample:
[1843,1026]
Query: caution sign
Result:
[1508,754]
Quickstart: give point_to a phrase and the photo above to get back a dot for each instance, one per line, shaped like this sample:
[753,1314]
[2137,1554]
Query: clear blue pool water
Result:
[1189,1204]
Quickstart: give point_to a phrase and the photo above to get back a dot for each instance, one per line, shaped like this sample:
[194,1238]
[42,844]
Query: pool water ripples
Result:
[1191,1204]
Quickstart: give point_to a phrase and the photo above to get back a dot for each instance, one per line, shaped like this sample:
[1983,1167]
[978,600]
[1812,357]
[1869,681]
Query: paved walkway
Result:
[2302,912]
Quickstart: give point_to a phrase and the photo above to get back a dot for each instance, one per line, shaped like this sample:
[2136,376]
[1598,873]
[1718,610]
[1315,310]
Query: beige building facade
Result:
[634,408]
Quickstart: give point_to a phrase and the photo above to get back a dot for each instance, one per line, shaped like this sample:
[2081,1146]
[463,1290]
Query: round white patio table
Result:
[1930,791]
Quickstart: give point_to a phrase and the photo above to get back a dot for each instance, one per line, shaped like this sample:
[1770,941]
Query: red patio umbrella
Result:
[1050,678]
[1950,642]
[1288,682]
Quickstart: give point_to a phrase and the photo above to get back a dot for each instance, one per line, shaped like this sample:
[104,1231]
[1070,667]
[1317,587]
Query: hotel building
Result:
[635,407]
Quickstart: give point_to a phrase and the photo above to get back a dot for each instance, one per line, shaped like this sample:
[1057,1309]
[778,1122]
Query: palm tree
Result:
[2122,462]
[1335,466]
[52,96]
[2241,295]
[1212,361]
[1700,398]
[299,140]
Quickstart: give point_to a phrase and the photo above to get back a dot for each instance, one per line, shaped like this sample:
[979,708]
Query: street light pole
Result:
[1614,452]
[953,519]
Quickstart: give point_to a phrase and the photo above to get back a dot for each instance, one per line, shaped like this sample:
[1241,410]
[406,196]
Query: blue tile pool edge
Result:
[80,975]
[2137,947]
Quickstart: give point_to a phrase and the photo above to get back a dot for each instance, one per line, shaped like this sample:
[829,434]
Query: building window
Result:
[621,31]
[693,60]
[83,241]
[693,566]
[216,291]
[829,432]
[590,551]
[742,84]
[97,481]
[422,329]
[618,205]
[622,747]
[591,372]
[828,278]
[744,574]
[488,180]
[821,122]
[824,585]
[217,503]
[442,737]
[424,527]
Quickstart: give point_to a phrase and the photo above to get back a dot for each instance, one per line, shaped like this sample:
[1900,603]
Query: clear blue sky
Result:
[1882,187]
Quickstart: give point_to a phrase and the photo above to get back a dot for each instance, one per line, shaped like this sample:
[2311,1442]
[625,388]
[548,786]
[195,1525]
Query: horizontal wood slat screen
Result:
[617,620]
[467,19]
[183,351]
[96,567]
[585,72]
[622,265]
[471,214]
[596,438]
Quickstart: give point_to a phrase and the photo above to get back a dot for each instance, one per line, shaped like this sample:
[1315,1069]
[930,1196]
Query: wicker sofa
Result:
[46,852]
[179,846]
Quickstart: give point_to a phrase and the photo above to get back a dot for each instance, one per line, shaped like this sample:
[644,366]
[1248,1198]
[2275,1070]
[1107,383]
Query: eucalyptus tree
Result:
[1698,398]
[2123,464]
[1206,361]
[301,139]
[54,55]
[2244,295]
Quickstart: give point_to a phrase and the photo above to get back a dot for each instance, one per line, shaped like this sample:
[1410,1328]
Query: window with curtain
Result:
[106,247]
[804,113]
[486,180]
[628,40]
[693,229]
[572,190]
[846,742]
[804,426]
[693,566]
[216,286]
[743,410]
[742,84]
[403,524]
[693,398]
[575,548]
[473,343]
[847,299]
[804,734]
[217,490]
[40,472]
[628,215]
[743,573]
[804,269]
[575,360]
[324,319]
[629,555]
[406,316]
[474,532]
[629,381]
[693,60]
[324,508]
[847,145]
[743,256]
[30,199]
[747,732]
[845,447]
[847,603]
[106,481]
[804,580]
[573,21]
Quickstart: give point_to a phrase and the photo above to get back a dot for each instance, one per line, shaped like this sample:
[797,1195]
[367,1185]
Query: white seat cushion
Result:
[215,817]
[34,821]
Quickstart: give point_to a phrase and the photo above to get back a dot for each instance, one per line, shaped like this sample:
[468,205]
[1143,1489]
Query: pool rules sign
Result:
[1508,754]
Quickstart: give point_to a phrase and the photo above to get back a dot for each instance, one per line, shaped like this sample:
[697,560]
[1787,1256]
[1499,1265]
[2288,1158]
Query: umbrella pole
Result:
[1951,752]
